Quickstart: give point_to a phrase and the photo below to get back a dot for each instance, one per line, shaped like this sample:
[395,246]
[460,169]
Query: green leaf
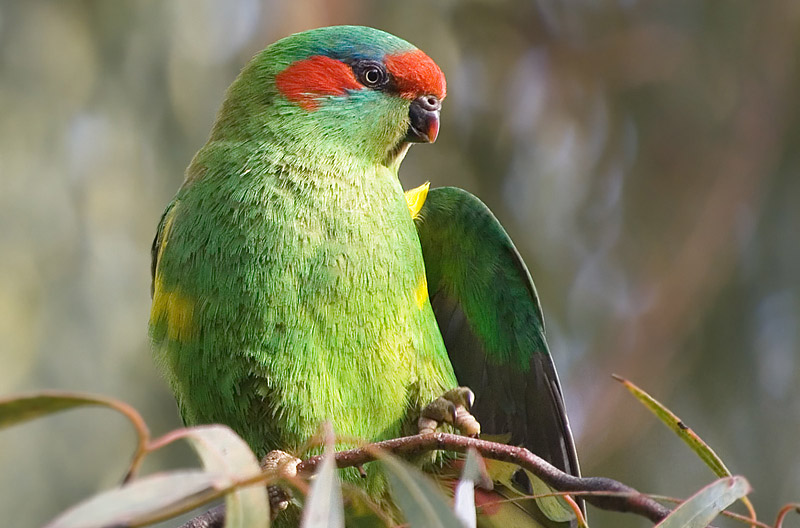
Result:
[685,433]
[464,500]
[678,427]
[701,508]
[423,505]
[147,499]
[228,460]
[23,408]
[224,452]
[324,507]
[553,507]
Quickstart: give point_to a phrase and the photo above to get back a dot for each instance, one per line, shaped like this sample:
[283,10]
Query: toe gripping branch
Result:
[453,408]
[283,465]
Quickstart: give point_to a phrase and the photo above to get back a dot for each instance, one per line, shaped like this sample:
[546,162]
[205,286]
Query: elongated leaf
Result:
[224,452]
[685,433]
[702,507]
[22,408]
[15,410]
[423,505]
[324,507]
[678,427]
[149,498]
[464,500]
[553,507]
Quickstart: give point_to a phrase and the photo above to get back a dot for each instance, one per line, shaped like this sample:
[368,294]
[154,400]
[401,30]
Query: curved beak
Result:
[423,117]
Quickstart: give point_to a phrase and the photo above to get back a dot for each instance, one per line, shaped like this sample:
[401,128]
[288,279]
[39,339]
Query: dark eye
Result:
[371,74]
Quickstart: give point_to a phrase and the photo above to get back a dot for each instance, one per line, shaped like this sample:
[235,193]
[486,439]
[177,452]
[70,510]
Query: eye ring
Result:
[371,74]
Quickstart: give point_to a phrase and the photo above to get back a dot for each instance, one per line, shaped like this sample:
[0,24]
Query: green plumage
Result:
[289,282]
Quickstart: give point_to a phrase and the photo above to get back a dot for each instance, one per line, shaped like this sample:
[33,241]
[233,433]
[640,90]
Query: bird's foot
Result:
[282,465]
[451,407]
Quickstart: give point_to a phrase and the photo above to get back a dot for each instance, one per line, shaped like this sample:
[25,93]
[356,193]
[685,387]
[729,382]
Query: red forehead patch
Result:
[306,80]
[416,74]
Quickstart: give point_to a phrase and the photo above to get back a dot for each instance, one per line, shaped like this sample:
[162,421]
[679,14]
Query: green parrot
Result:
[294,282]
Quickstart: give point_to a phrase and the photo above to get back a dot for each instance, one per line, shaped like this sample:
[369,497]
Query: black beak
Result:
[424,119]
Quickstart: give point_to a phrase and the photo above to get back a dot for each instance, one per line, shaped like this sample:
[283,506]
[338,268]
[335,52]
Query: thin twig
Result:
[213,518]
[625,498]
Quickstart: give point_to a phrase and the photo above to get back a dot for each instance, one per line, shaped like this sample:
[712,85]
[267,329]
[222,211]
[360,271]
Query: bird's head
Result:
[342,91]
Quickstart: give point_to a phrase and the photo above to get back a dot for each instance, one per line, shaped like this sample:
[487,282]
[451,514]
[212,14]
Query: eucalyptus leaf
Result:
[153,497]
[464,499]
[324,507]
[224,452]
[22,408]
[684,432]
[423,505]
[553,507]
[702,507]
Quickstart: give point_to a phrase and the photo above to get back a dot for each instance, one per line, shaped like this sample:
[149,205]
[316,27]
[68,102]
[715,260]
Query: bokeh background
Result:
[644,155]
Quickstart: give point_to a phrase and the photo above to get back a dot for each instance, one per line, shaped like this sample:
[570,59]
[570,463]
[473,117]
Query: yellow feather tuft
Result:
[415,198]
[176,309]
[172,306]
[421,293]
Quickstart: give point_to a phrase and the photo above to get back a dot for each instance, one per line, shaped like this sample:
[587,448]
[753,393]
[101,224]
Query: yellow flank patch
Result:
[176,309]
[415,198]
[421,293]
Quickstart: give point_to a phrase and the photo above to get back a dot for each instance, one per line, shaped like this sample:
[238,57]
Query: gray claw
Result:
[453,408]
[282,465]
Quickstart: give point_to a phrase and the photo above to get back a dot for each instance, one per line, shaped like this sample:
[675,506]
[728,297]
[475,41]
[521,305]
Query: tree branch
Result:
[624,499]
[213,518]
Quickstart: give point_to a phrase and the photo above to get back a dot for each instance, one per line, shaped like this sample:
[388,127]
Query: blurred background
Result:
[644,155]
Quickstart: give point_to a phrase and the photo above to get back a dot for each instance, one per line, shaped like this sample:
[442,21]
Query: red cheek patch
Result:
[416,74]
[304,81]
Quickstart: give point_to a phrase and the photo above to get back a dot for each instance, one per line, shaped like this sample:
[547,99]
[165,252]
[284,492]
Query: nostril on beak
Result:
[430,103]
[423,116]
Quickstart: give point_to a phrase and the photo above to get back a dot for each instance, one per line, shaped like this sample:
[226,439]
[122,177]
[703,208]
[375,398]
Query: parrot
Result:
[295,282]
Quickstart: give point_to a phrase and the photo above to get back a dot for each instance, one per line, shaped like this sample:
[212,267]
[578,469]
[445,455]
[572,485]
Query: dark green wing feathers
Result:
[489,315]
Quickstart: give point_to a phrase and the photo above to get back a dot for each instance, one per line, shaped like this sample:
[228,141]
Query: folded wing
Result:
[489,314]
